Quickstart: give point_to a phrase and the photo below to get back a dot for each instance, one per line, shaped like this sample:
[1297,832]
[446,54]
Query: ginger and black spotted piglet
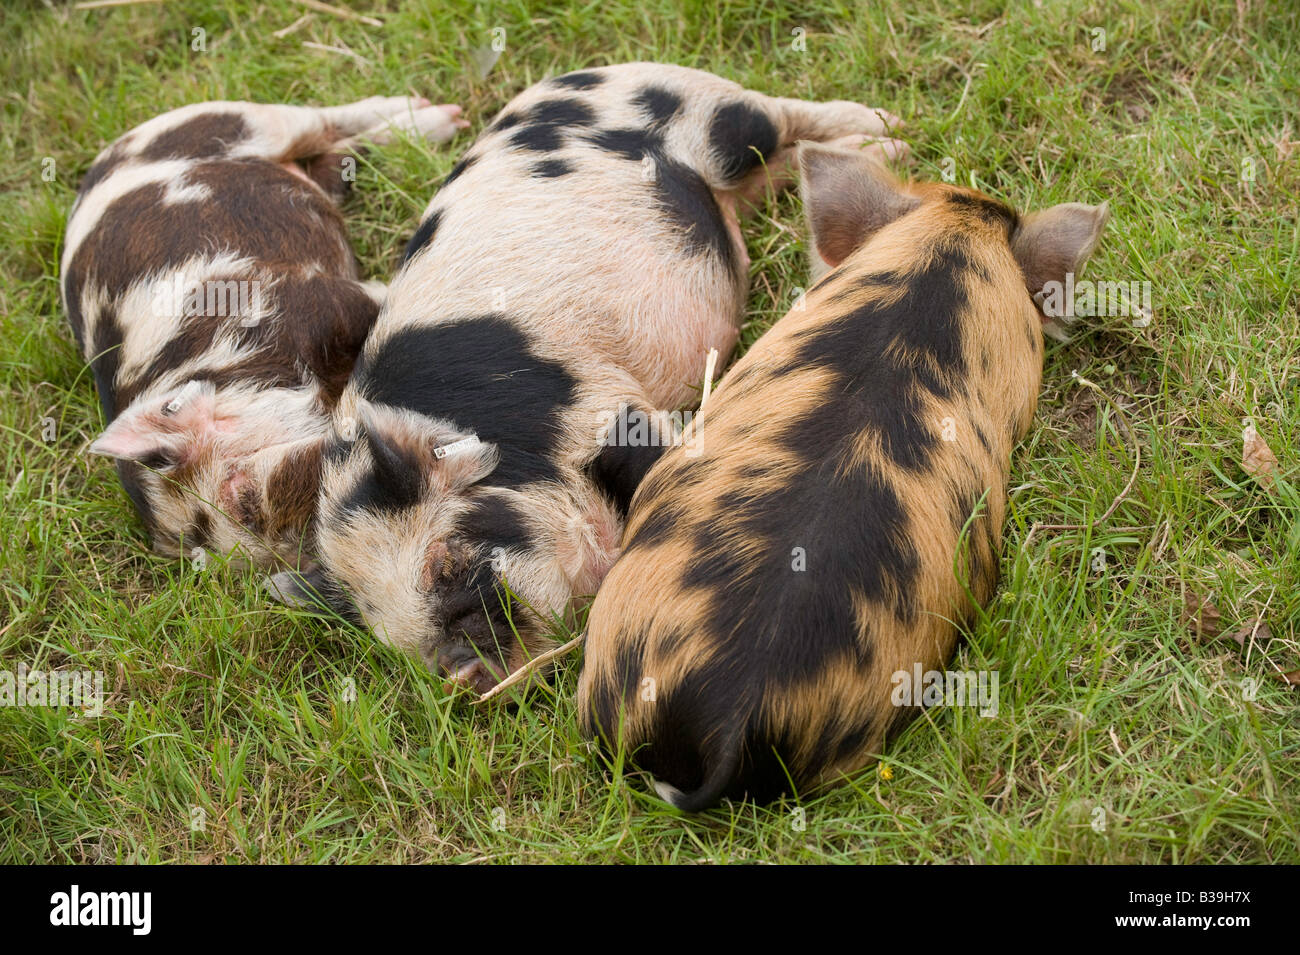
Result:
[583,257]
[845,503]
[209,283]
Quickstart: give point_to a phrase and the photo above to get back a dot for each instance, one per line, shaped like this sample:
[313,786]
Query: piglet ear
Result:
[311,590]
[848,197]
[397,464]
[129,438]
[300,590]
[162,432]
[462,459]
[409,450]
[1056,241]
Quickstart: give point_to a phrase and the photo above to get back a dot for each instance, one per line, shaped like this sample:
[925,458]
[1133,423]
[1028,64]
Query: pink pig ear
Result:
[161,432]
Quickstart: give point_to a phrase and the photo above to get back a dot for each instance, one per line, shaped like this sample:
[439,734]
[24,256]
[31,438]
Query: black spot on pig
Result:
[986,209]
[664,522]
[854,530]
[498,522]
[890,349]
[325,595]
[547,121]
[482,374]
[393,483]
[873,282]
[885,400]
[475,617]
[628,662]
[457,170]
[743,761]
[927,319]
[673,639]
[688,202]
[658,103]
[740,136]
[206,136]
[828,741]
[827,279]
[618,469]
[672,752]
[110,161]
[131,475]
[634,144]
[850,523]
[848,742]
[541,139]
[562,113]
[505,121]
[106,348]
[552,168]
[581,80]
[423,235]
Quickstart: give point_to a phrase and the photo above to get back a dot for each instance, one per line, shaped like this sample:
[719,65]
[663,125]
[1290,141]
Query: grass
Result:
[229,730]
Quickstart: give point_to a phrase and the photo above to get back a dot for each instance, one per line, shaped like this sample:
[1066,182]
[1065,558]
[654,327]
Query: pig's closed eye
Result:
[439,562]
[158,461]
[250,513]
[244,508]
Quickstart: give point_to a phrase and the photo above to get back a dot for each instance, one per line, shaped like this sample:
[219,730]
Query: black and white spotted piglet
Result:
[584,256]
[209,282]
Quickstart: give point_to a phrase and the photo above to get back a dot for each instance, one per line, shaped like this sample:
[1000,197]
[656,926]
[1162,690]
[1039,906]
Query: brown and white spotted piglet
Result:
[583,256]
[846,497]
[209,283]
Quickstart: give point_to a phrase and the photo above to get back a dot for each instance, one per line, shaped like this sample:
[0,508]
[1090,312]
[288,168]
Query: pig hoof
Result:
[454,111]
[882,150]
[866,119]
[890,149]
[890,121]
[389,107]
[434,123]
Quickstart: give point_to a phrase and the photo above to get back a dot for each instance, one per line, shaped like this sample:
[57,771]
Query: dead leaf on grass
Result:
[1257,458]
[1258,628]
[1201,616]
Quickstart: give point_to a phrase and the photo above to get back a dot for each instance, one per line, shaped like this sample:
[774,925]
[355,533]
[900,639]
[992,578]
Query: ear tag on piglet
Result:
[177,403]
[456,447]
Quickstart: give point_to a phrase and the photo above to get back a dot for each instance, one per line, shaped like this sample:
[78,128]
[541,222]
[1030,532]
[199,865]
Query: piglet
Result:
[574,270]
[209,283]
[841,515]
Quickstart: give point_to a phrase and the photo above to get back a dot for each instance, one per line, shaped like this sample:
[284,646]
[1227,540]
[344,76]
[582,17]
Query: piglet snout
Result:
[463,667]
